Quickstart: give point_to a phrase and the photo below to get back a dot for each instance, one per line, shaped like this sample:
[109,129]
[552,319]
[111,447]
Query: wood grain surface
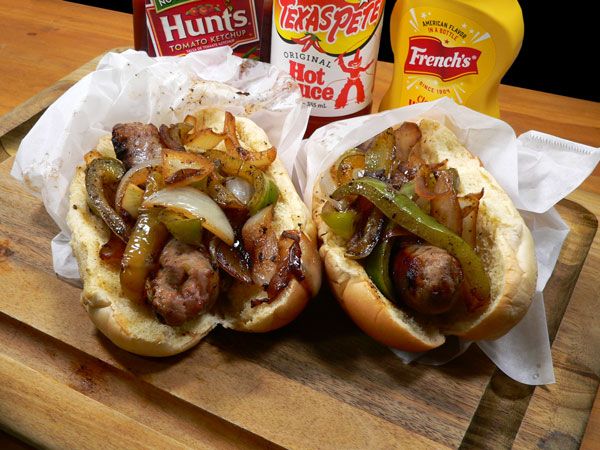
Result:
[44,40]
[51,407]
[558,413]
[236,390]
[285,386]
[592,433]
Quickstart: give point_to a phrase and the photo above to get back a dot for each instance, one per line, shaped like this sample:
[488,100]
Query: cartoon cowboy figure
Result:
[353,69]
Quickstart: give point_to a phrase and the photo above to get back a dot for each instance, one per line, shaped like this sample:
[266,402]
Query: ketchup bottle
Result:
[175,27]
[330,48]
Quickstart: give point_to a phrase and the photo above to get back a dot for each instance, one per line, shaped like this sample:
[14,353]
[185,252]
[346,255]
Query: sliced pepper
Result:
[377,266]
[100,172]
[143,248]
[154,183]
[403,211]
[380,155]
[347,166]
[408,189]
[265,193]
[184,229]
[141,254]
[341,222]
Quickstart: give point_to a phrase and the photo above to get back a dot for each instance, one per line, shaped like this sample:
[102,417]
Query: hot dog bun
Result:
[135,327]
[504,243]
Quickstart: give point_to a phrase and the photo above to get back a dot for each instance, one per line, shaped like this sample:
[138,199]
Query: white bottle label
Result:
[330,48]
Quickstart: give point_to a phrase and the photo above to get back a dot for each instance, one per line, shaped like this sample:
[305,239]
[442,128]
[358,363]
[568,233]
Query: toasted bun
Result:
[504,243]
[134,327]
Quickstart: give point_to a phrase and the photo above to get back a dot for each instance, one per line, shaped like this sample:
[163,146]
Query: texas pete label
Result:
[330,48]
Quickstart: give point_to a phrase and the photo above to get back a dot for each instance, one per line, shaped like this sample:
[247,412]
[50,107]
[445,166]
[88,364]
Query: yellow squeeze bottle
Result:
[453,48]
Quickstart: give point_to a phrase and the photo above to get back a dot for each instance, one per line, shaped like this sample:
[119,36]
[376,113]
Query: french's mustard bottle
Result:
[453,48]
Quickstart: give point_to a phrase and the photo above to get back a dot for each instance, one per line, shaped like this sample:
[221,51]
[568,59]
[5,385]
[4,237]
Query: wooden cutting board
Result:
[318,383]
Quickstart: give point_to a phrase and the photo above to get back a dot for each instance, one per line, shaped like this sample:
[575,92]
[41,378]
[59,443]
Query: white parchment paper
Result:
[129,87]
[536,170]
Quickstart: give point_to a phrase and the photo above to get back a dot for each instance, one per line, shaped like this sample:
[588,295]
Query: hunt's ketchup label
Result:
[330,48]
[175,27]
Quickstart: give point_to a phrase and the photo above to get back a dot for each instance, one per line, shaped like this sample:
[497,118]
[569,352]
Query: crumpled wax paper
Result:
[535,169]
[129,87]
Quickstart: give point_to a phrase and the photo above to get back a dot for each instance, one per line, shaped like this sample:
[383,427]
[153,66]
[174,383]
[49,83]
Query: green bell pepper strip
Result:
[99,172]
[408,189]
[188,231]
[380,155]
[341,222]
[265,192]
[148,237]
[403,211]
[141,254]
[377,266]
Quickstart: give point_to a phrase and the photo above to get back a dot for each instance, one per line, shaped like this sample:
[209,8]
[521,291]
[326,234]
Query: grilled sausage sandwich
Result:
[419,241]
[180,228]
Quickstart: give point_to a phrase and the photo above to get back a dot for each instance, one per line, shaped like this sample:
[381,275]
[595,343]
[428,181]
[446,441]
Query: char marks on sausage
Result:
[136,142]
[427,278]
[186,284]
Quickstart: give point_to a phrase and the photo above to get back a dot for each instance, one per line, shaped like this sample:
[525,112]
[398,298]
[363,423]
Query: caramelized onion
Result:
[193,204]
[234,260]
[261,243]
[262,159]
[183,168]
[172,136]
[289,266]
[232,144]
[240,188]
[203,139]
[424,182]
[470,208]
[405,138]
[364,241]
[444,206]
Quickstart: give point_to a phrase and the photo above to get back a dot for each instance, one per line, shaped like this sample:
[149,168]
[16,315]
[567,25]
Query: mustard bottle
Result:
[454,48]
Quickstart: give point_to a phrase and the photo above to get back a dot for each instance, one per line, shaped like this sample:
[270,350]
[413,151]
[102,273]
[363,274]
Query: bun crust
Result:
[134,327]
[504,243]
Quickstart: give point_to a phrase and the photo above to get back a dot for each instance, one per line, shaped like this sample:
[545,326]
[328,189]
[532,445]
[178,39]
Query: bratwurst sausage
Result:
[186,284]
[136,142]
[427,278]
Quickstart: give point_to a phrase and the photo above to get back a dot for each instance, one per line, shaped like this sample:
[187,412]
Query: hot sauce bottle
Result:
[175,27]
[330,48]
[453,48]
